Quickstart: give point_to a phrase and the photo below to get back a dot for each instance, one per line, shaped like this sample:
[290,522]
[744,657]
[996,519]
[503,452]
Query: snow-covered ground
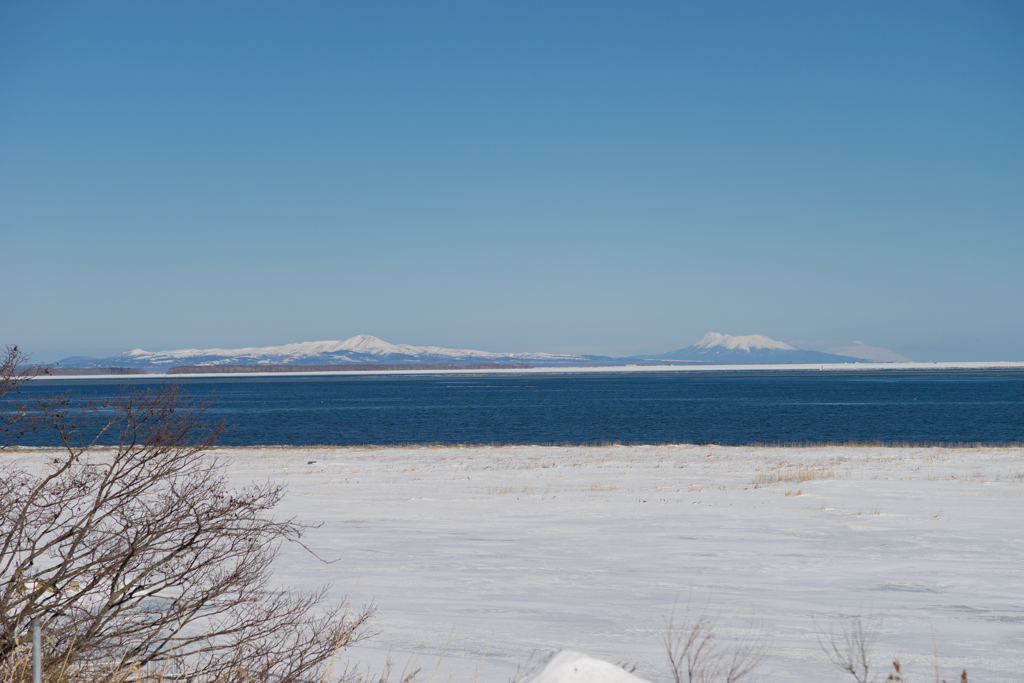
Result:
[482,560]
[498,557]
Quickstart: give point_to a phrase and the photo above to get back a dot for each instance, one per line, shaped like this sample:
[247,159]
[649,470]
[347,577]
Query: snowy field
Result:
[494,556]
[498,557]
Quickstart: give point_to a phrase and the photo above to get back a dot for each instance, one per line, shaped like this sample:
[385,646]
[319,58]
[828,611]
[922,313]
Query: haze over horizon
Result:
[586,178]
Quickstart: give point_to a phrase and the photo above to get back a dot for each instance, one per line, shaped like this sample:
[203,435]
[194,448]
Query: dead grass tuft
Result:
[509,490]
[797,474]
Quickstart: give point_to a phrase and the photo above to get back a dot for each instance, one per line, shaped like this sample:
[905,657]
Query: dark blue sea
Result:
[732,408]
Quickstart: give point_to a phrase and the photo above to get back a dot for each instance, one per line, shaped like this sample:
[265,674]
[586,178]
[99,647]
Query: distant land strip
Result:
[355,367]
[94,371]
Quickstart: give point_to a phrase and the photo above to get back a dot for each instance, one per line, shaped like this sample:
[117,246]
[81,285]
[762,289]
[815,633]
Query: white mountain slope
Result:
[753,342]
[358,349]
[873,353]
[853,349]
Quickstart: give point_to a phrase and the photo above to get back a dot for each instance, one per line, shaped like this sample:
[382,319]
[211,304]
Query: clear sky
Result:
[592,177]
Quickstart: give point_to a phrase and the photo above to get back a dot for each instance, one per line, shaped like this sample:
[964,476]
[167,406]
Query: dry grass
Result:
[802,473]
[957,445]
[510,490]
[18,669]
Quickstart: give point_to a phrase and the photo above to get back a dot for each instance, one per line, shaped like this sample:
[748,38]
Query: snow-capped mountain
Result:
[713,348]
[356,350]
[755,348]
[753,342]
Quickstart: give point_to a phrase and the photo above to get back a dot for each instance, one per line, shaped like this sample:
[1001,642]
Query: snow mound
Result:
[575,667]
[747,343]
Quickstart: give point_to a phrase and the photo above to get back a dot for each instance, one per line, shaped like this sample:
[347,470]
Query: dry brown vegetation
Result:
[510,490]
[798,474]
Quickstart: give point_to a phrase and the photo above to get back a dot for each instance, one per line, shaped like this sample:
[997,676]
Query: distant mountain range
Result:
[363,349]
[356,350]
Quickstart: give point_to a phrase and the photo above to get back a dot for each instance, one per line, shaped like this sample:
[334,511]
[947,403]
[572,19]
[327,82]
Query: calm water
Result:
[724,408]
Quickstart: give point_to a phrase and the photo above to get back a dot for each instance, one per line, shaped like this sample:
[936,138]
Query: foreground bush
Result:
[138,557]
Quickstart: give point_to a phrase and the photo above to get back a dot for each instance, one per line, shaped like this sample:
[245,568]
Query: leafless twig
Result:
[138,555]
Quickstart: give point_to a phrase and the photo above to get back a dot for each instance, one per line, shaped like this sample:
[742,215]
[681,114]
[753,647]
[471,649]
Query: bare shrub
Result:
[849,647]
[138,557]
[695,655]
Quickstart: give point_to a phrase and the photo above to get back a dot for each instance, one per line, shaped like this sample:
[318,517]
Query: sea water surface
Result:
[733,408]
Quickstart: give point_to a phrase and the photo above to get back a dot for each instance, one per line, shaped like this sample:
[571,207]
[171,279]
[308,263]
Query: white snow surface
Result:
[484,561]
[747,343]
[519,552]
[575,667]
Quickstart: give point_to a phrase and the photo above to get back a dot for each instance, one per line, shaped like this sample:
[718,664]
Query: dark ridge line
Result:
[72,372]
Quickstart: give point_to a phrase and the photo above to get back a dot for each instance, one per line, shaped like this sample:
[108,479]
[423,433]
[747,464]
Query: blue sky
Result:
[593,177]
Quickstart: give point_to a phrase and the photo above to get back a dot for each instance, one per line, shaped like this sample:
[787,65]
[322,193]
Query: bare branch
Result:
[849,648]
[690,645]
[136,554]
[695,657]
[14,371]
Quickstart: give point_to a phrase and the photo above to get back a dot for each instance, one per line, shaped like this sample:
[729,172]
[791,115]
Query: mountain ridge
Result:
[725,349]
[361,349]
[713,348]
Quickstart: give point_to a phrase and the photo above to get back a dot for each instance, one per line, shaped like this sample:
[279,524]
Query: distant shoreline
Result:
[477,370]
